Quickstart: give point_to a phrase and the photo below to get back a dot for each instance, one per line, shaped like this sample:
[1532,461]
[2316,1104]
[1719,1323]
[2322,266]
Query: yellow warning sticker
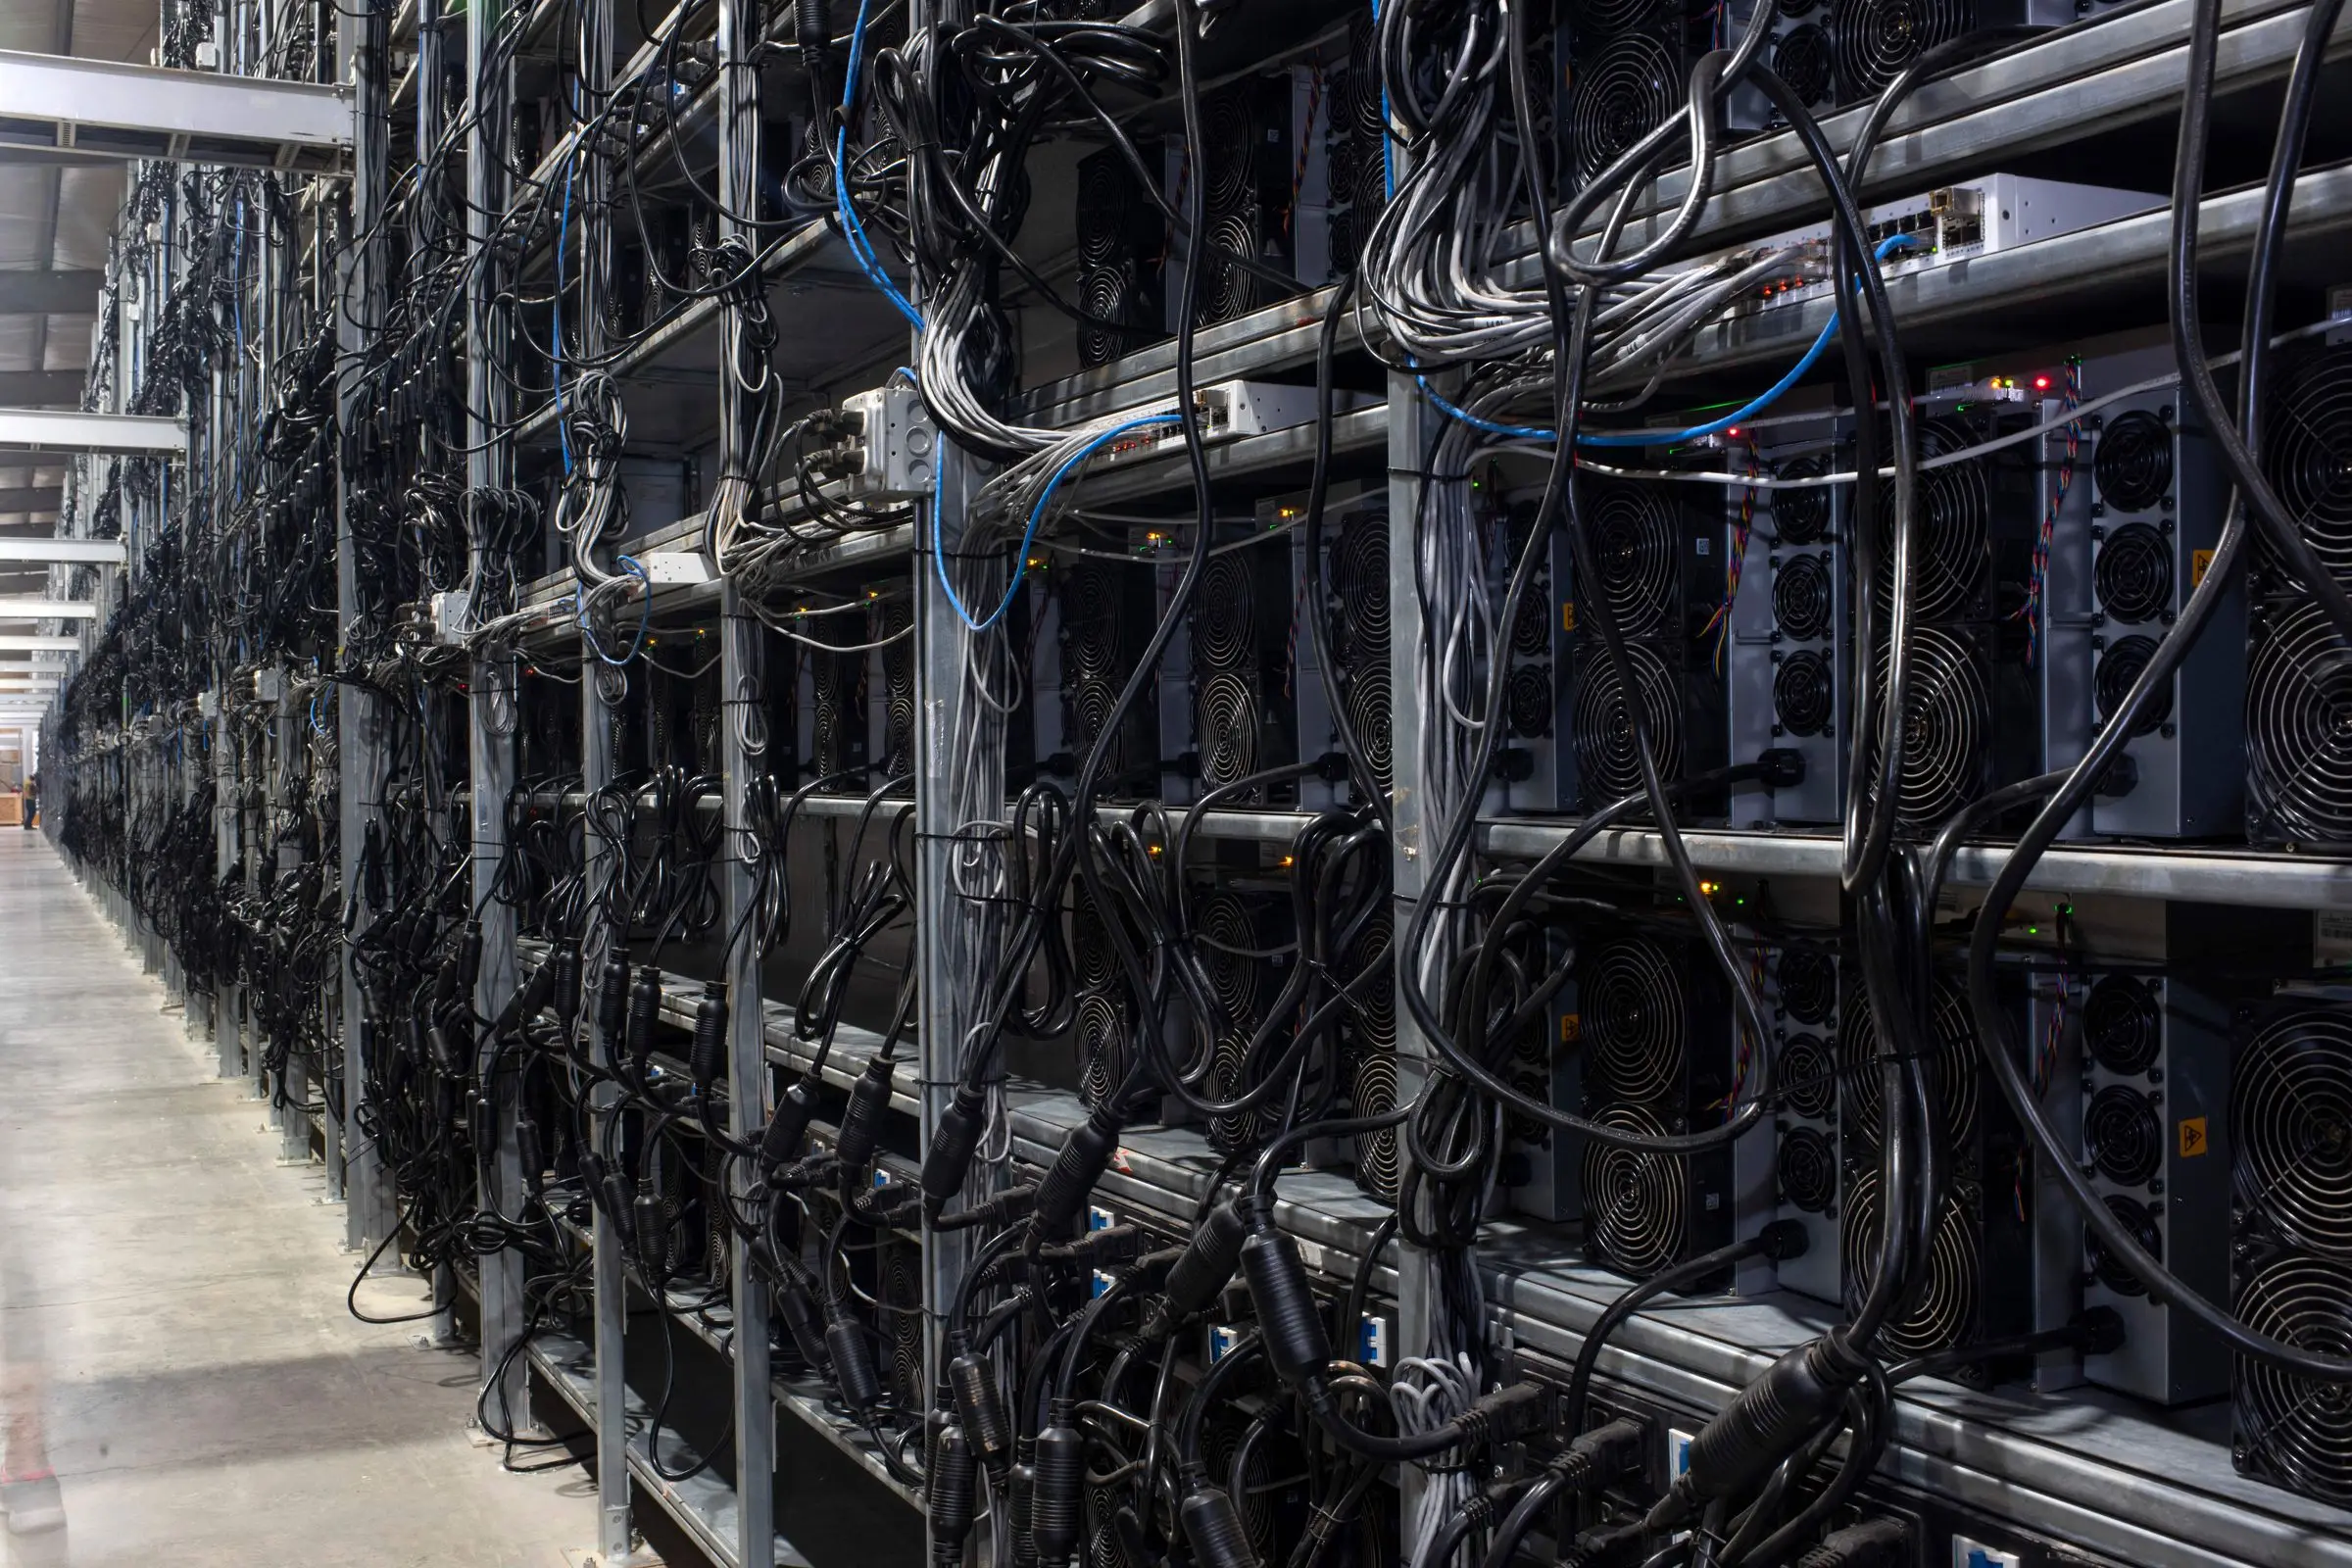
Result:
[1568,616]
[2198,562]
[2193,1141]
[1572,1025]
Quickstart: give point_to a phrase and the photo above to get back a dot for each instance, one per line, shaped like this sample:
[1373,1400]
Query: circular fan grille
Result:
[2290,1111]
[2133,467]
[1106,206]
[2308,451]
[2134,574]
[1878,38]
[1090,630]
[1944,1310]
[1225,626]
[1946,715]
[1808,1076]
[1802,517]
[1531,626]
[1228,131]
[1228,935]
[1952,520]
[1951,1071]
[1803,697]
[1232,1076]
[1527,702]
[1797,8]
[1228,289]
[1228,729]
[1606,752]
[1620,98]
[1220,1443]
[1091,704]
[1103,293]
[1802,57]
[1360,577]
[2121,1134]
[1102,1046]
[1802,601]
[2121,1027]
[2297,1428]
[1368,710]
[1363,68]
[2299,724]
[1634,1202]
[718,1259]
[1375,1019]
[2119,666]
[1807,1166]
[1633,537]
[1634,1025]
[1808,982]
[2140,1220]
[1379,1167]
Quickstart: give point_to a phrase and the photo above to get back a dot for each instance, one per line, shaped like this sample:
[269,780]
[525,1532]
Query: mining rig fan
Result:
[1635,1022]
[899,1306]
[1946,725]
[1098,614]
[1099,1029]
[1232,942]
[1949,1299]
[2299,728]
[1121,237]
[1359,585]
[2290,1117]
[891,619]
[1608,756]
[1637,1209]
[837,727]
[2308,452]
[1876,39]
[2292,1431]
[1638,546]
[1953,521]
[1374,1087]
[1621,92]
[1951,1070]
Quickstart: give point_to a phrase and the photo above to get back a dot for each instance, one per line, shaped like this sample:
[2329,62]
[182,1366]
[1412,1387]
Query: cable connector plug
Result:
[1872,1544]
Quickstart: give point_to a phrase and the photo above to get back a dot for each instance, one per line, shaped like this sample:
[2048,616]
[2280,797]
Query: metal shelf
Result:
[2095,1470]
[704,1508]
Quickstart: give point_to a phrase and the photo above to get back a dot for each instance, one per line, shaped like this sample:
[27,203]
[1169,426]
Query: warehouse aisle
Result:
[171,1317]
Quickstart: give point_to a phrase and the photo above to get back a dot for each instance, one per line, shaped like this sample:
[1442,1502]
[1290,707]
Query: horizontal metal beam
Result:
[64,552]
[31,498]
[108,434]
[126,110]
[50,294]
[21,607]
[22,643]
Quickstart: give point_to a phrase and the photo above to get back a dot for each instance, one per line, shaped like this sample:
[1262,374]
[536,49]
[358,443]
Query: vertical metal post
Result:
[603,691]
[294,1123]
[1410,421]
[360,40]
[491,705]
[742,654]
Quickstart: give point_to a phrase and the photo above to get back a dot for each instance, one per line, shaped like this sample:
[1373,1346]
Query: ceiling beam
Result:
[125,434]
[64,552]
[205,116]
[50,293]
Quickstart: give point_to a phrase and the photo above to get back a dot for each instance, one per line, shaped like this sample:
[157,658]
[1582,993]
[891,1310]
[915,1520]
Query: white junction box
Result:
[898,445]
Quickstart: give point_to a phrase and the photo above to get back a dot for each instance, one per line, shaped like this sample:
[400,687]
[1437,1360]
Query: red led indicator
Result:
[2041,383]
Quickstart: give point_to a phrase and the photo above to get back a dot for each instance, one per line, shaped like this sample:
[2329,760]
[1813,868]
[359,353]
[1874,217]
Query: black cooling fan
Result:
[1949,1297]
[2118,669]
[2121,1027]
[1878,38]
[1622,94]
[1951,522]
[2134,466]
[1607,757]
[1806,1168]
[1807,980]
[1634,1202]
[2308,451]
[1802,517]
[1951,1071]
[1635,1027]
[2121,1135]
[2135,574]
[1633,540]
[1804,693]
[2290,1113]
[2140,1219]
[1803,598]
[1946,728]
[2299,724]
[1807,1075]
[2294,1430]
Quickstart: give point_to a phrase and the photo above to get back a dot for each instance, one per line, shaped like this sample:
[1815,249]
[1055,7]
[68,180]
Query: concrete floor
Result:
[172,1314]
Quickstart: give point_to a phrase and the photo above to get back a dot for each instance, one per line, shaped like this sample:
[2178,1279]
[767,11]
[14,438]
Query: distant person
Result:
[33,797]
